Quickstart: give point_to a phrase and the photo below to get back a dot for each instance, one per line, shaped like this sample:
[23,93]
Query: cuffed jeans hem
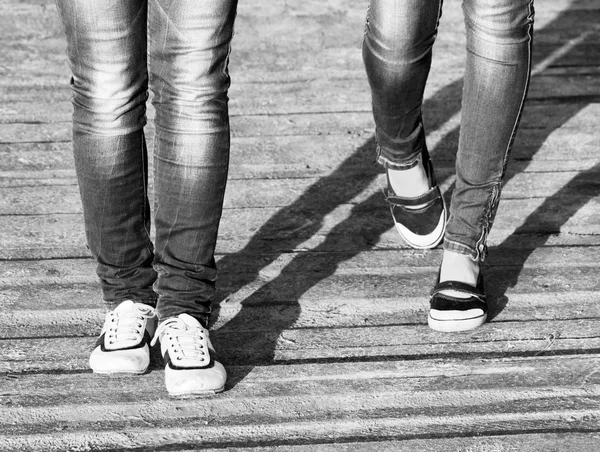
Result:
[112,304]
[199,312]
[409,163]
[397,158]
[461,248]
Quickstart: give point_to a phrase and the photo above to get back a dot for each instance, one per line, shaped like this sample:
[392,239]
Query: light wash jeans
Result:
[397,52]
[180,49]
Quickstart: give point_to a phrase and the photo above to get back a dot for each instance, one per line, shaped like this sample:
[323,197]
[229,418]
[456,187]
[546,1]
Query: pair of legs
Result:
[397,52]
[180,49]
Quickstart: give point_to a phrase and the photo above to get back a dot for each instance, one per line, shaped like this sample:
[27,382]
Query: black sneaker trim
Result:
[423,200]
[169,362]
[146,339]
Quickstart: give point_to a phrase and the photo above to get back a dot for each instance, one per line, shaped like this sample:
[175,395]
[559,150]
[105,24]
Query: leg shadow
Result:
[545,222]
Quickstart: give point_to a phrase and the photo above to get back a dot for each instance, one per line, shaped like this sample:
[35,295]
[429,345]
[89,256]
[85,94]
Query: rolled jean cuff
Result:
[200,310]
[402,153]
[461,248]
[110,305]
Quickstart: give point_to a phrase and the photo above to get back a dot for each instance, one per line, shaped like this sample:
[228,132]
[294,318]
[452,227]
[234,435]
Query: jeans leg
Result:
[399,36]
[499,38]
[189,49]
[107,53]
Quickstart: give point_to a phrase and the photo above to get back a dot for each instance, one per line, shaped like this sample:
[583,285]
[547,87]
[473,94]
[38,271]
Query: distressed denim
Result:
[117,49]
[397,52]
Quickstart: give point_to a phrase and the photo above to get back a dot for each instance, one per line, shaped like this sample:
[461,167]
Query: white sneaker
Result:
[191,367]
[123,343]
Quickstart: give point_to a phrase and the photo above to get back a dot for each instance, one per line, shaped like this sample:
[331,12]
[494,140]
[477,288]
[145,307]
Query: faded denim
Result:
[397,52]
[180,50]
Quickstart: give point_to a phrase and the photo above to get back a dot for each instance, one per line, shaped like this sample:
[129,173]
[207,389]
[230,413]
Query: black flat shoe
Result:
[449,314]
[421,221]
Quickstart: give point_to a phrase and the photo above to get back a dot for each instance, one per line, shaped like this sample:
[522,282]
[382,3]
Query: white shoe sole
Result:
[119,372]
[455,325]
[195,394]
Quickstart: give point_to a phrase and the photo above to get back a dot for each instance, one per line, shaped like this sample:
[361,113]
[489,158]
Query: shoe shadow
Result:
[252,335]
[274,307]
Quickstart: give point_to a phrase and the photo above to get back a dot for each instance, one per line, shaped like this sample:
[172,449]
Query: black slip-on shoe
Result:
[450,314]
[420,221]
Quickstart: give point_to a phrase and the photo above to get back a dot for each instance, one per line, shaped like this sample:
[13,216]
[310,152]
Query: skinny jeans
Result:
[117,49]
[397,53]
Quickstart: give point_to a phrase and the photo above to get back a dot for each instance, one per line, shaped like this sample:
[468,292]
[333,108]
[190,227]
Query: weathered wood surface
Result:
[322,310]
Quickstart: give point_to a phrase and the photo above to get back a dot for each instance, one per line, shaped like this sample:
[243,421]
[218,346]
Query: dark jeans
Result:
[399,36]
[180,49]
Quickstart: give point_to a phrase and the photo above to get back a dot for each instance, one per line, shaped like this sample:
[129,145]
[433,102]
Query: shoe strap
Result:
[458,286]
[429,196]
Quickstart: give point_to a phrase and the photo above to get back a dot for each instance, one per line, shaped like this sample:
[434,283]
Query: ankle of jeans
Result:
[389,160]
[467,250]
[201,311]
[110,305]
[400,153]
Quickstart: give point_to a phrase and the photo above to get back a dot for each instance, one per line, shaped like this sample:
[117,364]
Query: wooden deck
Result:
[322,310]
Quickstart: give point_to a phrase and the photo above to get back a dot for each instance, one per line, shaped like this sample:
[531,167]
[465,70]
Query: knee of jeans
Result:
[109,105]
[393,68]
[192,103]
[499,22]
[390,48]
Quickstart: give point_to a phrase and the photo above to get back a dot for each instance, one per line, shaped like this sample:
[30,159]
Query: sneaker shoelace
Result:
[183,341]
[127,326]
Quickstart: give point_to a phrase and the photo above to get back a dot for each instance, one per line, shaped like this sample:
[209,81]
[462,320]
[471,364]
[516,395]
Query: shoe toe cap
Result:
[120,361]
[182,382]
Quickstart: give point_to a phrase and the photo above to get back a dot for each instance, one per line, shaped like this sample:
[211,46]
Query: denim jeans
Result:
[397,52]
[180,49]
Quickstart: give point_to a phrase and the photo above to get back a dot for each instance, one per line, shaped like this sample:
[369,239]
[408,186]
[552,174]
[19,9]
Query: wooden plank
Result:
[250,193]
[324,400]
[307,96]
[534,116]
[377,261]
[522,373]
[295,433]
[82,314]
[398,397]
[278,344]
[49,298]
[202,432]
[564,442]
[50,164]
[331,226]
